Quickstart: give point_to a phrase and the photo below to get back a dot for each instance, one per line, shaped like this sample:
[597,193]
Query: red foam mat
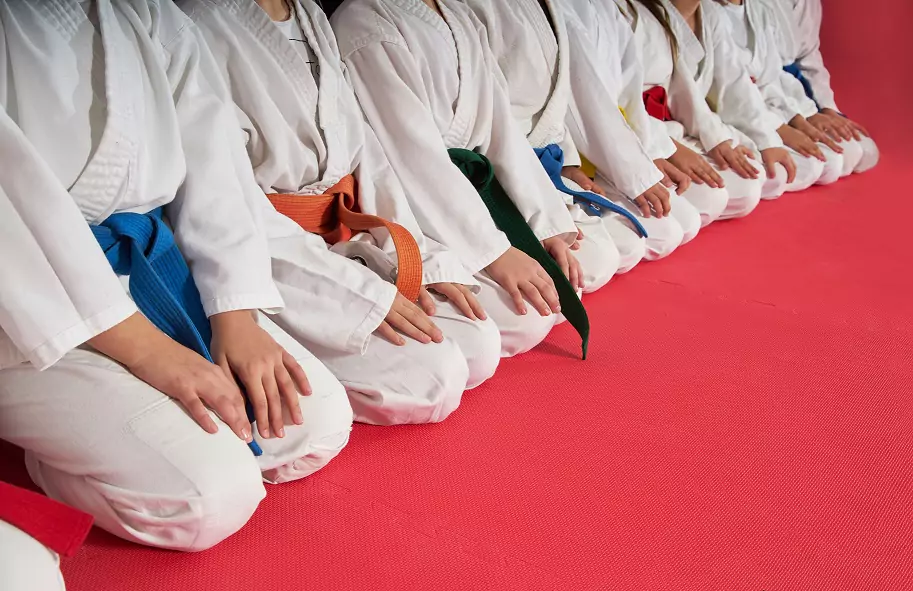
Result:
[744,423]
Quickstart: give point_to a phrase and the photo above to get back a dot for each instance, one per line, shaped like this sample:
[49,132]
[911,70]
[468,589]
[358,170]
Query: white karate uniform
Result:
[305,131]
[26,564]
[428,84]
[531,49]
[695,125]
[725,105]
[754,39]
[604,70]
[82,142]
[798,27]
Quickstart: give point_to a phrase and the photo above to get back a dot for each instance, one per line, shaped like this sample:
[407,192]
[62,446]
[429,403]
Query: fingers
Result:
[790,166]
[667,181]
[386,332]
[576,273]
[403,325]
[561,257]
[459,296]
[594,187]
[682,182]
[289,394]
[655,204]
[297,373]
[224,397]
[474,304]
[534,296]
[274,404]
[846,130]
[643,205]
[257,396]
[827,141]
[546,287]
[665,200]
[854,129]
[696,176]
[803,148]
[720,160]
[411,321]
[200,414]
[513,289]
[711,176]
[740,165]
[860,129]
[426,302]
[771,167]
[816,152]
[292,383]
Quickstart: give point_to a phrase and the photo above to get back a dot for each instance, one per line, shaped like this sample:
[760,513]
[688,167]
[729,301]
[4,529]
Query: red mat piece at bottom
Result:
[744,423]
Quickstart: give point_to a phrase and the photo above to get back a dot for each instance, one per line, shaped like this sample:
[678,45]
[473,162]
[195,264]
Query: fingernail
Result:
[264,433]
[281,432]
[245,434]
[558,309]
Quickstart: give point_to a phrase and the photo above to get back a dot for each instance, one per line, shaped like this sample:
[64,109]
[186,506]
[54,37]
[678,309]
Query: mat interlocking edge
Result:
[744,423]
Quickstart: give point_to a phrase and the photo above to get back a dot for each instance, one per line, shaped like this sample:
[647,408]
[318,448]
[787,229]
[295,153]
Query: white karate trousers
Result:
[100,440]
[664,235]
[25,564]
[418,383]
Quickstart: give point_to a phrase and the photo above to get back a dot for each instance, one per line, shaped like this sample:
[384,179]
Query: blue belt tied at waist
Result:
[552,159]
[142,246]
[796,72]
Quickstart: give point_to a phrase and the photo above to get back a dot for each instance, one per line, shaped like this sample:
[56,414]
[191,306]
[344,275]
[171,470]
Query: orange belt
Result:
[335,217]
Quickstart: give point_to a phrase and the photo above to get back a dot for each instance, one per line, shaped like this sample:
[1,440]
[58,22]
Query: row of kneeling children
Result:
[232,227]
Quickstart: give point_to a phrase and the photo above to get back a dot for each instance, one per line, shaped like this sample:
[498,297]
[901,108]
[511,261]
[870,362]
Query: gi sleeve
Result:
[382,193]
[734,97]
[812,65]
[597,125]
[213,226]
[520,172]
[58,290]
[445,204]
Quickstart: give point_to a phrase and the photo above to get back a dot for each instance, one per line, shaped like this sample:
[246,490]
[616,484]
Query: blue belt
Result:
[552,159]
[142,246]
[794,70]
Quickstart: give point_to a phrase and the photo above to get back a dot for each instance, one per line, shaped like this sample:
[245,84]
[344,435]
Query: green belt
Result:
[507,217]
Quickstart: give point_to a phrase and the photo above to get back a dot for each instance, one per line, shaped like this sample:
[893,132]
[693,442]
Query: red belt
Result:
[656,102]
[57,526]
[335,217]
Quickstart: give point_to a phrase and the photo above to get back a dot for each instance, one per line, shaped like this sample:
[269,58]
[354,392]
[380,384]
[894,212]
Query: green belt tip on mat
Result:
[508,218]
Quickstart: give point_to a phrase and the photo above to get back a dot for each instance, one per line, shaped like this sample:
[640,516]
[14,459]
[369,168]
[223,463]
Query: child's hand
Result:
[409,319]
[773,156]
[575,174]
[800,142]
[696,167]
[654,202]
[849,129]
[458,294]
[672,176]
[726,157]
[270,375]
[801,124]
[569,264]
[521,276]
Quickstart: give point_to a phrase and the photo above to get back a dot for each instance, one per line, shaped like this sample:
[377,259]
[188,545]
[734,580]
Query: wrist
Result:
[130,341]
[225,321]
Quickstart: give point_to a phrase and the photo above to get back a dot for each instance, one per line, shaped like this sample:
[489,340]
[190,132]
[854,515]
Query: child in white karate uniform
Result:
[427,82]
[120,412]
[305,132]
